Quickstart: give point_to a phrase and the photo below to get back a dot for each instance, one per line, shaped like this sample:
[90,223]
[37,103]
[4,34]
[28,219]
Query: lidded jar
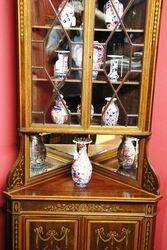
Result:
[60,111]
[110,112]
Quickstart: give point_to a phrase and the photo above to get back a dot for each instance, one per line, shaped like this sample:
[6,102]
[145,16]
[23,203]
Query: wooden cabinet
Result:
[86,70]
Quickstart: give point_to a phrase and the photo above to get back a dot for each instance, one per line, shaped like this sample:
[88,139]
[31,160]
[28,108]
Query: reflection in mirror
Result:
[118,154]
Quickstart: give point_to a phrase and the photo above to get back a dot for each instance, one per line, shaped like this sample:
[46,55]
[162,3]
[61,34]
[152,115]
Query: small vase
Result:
[61,65]
[111,17]
[79,112]
[113,74]
[37,151]
[67,15]
[59,113]
[110,112]
[128,152]
[81,168]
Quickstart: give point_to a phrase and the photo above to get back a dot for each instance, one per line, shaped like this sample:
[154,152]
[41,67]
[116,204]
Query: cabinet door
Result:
[113,233]
[56,76]
[89,52]
[57,233]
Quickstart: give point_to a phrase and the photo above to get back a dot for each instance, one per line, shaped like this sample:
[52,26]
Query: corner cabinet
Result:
[86,83]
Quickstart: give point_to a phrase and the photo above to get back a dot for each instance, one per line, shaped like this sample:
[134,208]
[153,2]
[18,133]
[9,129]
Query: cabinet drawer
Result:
[113,233]
[46,233]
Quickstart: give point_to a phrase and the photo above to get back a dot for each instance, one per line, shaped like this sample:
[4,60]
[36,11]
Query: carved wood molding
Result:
[21,18]
[156,20]
[83,207]
[148,234]
[16,232]
[16,175]
[150,181]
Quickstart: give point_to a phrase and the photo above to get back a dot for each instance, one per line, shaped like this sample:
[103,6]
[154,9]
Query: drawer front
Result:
[113,233]
[58,234]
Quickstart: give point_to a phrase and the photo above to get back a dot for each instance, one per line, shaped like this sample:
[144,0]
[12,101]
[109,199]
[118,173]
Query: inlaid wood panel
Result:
[56,233]
[113,233]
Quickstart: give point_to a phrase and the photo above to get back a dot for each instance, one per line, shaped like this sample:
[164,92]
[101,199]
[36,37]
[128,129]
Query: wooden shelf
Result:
[79,81]
[59,27]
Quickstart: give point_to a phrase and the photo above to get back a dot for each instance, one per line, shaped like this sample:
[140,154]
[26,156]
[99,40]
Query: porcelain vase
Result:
[113,74]
[61,65]
[111,17]
[59,112]
[128,152]
[67,14]
[81,170]
[110,112]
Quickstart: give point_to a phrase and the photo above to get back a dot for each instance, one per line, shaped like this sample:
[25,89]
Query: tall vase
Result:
[110,112]
[128,152]
[81,168]
[61,65]
[59,113]
[37,151]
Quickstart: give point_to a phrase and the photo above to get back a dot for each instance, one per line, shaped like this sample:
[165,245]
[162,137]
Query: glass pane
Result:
[118,154]
[57,44]
[117,67]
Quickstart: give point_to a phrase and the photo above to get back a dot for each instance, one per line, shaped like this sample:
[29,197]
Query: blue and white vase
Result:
[110,112]
[81,170]
[61,65]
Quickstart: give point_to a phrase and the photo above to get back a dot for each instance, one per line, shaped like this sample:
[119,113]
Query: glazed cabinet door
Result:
[113,233]
[87,65]
[51,233]
[54,87]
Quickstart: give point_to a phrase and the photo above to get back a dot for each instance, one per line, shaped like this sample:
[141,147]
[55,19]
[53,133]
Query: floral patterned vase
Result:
[128,152]
[67,15]
[81,168]
[111,17]
[98,56]
[113,74]
[37,151]
[59,113]
[110,112]
[61,65]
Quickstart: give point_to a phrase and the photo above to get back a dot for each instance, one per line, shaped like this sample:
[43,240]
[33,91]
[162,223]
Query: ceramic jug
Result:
[128,152]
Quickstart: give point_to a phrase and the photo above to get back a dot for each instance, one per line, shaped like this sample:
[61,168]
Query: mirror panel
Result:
[119,154]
